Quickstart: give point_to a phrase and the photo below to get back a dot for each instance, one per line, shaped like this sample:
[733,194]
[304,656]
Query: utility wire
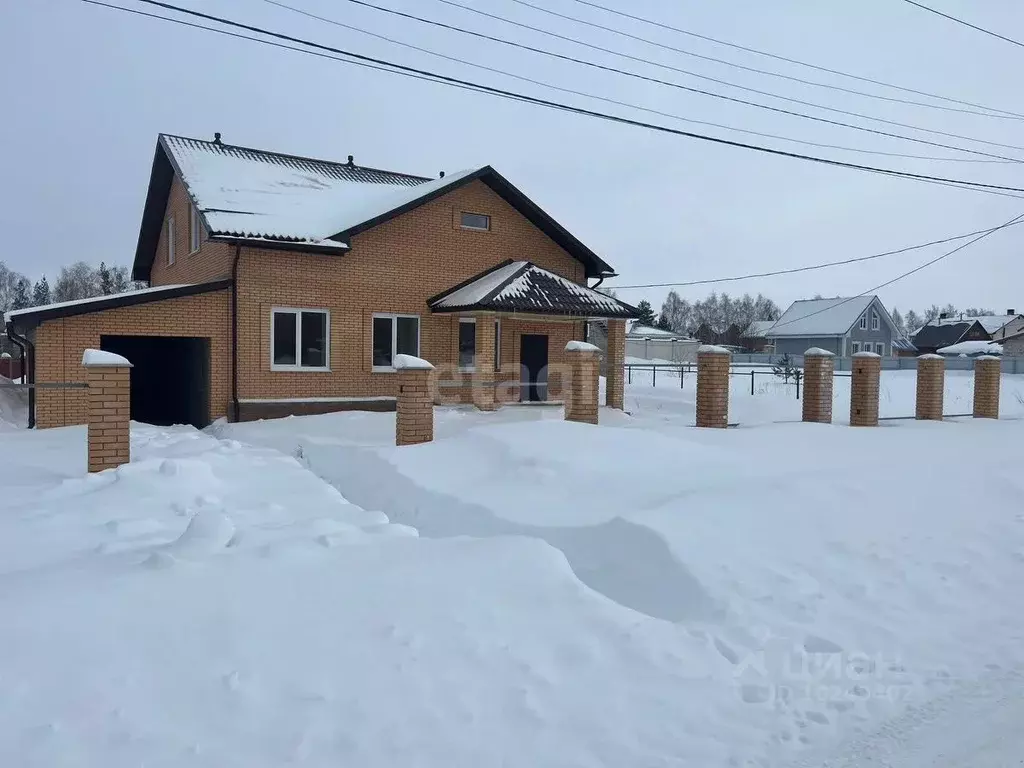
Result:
[798,62]
[965,23]
[913,271]
[629,105]
[627,35]
[812,267]
[512,95]
[606,68]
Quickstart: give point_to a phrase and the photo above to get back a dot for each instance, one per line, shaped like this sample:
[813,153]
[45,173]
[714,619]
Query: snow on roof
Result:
[474,292]
[61,304]
[263,195]
[521,286]
[821,317]
[97,358]
[991,323]
[973,348]
[647,330]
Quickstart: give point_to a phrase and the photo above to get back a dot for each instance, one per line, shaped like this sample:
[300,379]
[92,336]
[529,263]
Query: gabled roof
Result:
[273,200]
[520,286]
[991,323]
[935,336]
[824,317]
[25,318]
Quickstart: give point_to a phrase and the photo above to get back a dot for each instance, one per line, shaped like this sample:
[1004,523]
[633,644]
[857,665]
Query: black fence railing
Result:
[795,375]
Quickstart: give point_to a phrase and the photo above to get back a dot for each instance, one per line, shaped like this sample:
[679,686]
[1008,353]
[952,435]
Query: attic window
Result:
[875,323]
[195,230]
[170,240]
[477,221]
[863,322]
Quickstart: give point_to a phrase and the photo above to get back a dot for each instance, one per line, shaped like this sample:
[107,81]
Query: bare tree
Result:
[77,281]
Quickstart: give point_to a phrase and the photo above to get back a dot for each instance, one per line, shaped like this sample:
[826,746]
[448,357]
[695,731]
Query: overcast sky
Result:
[86,90]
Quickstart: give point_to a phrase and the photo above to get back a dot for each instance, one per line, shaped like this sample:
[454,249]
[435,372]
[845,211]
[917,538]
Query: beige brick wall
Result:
[582,392]
[211,262]
[931,377]
[109,439]
[987,380]
[864,383]
[393,268]
[713,389]
[819,379]
[59,345]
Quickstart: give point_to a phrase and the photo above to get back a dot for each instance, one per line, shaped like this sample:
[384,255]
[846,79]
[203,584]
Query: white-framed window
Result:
[880,349]
[855,348]
[170,240]
[195,230]
[497,345]
[864,322]
[467,343]
[477,221]
[394,335]
[875,322]
[300,339]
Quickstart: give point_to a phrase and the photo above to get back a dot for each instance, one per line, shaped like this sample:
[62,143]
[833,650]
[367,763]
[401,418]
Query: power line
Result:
[617,102]
[798,62]
[812,267]
[627,35]
[606,68]
[965,23]
[913,271]
[400,69]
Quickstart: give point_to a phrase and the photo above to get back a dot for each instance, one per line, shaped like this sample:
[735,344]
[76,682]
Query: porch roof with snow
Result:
[523,287]
[272,200]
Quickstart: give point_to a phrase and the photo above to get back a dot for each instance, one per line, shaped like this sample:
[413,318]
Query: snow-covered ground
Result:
[640,593]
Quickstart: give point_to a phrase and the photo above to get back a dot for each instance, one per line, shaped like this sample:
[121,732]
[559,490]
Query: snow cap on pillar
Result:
[411,363]
[97,358]
[818,352]
[581,346]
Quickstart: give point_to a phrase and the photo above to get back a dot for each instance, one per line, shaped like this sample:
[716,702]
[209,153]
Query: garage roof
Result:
[31,316]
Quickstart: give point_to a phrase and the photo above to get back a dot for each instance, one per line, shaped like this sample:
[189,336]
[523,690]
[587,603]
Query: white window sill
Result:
[383,369]
[467,369]
[193,253]
[299,369]
[474,229]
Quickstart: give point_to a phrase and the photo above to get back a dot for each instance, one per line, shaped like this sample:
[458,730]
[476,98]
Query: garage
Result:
[170,377]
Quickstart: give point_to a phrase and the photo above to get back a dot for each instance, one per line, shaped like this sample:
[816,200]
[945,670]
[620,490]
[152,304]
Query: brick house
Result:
[285,285]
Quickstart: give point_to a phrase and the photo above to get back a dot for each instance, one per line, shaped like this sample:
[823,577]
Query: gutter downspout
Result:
[28,366]
[235,406]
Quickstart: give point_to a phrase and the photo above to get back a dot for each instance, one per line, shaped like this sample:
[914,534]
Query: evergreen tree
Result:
[22,299]
[897,320]
[41,292]
[106,282]
[913,322]
[646,316]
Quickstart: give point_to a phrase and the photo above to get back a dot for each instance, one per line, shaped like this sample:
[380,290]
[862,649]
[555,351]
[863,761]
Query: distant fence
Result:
[671,373]
[1010,364]
[662,349]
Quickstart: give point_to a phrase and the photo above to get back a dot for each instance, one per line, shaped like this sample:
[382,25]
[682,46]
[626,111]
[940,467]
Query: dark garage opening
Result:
[170,377]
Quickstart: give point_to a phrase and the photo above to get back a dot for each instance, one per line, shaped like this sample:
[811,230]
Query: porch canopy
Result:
[522,287]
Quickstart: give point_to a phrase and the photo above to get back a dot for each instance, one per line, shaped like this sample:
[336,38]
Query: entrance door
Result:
[533,366]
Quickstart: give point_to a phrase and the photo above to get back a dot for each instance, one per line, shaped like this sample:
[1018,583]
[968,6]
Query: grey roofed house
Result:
[997,326]
[935,336]
[842,326]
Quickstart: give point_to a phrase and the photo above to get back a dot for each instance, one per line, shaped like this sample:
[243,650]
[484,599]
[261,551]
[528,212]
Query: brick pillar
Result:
[867,370]
[581,391]
[819,375]
[987,374]
[109,378]
[483,378]
[713,386]
[931,381]
[615,361]
[414,419]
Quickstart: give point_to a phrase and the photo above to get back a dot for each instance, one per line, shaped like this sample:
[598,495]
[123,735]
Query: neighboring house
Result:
[935,336]
[843,326]
[283,284]
[996,326]
[1013,346]
[755,337]
[648,343]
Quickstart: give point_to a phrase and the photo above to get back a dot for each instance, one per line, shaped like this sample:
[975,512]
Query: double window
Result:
[855,347]
[300,339]
[467,344]
[170,240]
[880,349]
[875,322]
[394,335]
[863,322]
[195,230]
